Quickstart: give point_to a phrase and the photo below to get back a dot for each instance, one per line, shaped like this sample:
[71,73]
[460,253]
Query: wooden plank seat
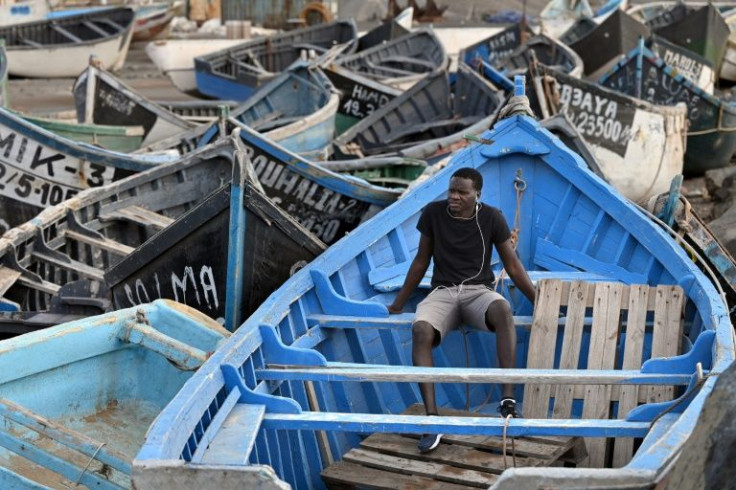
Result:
[392,461]
[138,215]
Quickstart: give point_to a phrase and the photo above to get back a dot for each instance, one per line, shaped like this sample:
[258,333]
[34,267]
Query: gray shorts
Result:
[448,308]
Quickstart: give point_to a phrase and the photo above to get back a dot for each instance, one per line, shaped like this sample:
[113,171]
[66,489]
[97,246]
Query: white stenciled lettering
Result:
[191,286]
[180,284]
[117,101]
[207,279]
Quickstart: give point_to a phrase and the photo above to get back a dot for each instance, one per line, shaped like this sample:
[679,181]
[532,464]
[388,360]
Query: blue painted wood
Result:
[335,304]
[72,439]
[210,425]
[234,438]
[54,463]
[337,372]
[236,248]
[485,426]
[685,363]
[276,352]
[178,352]
[651,411]
[233,380]
[584,262]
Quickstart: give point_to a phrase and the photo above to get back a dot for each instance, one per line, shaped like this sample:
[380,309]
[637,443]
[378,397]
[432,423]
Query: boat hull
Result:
[711,138]
[101,98]
[235,73]
[51,49]
[108,411]
[639,147]
[42,169]
[175,58]
[332,315]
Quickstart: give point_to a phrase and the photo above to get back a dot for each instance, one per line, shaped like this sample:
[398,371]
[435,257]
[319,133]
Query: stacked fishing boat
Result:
[664,54]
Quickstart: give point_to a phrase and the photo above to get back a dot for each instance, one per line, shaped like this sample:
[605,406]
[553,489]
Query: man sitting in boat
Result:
[459,234]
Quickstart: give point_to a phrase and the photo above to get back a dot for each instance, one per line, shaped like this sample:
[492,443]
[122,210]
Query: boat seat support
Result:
[274,350]
[273,404]
[337,304]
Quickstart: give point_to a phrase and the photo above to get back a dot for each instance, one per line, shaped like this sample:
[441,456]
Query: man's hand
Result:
[395,310]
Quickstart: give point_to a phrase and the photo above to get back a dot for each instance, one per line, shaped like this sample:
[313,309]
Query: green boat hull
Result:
[124,139]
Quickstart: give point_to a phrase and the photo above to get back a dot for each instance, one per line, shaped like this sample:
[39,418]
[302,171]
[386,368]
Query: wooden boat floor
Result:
[392,461]
[121,426]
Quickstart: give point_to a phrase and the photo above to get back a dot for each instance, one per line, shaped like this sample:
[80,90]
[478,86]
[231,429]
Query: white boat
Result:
[153,20]
[61,47]
[638,147]
[18,12]
[728,68]
[175,57]
[559,15]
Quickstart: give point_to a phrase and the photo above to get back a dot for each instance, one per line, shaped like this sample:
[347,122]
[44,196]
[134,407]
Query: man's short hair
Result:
[472,174]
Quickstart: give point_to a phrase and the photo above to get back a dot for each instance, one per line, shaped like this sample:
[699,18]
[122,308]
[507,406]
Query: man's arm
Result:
[417,269]
[515,269]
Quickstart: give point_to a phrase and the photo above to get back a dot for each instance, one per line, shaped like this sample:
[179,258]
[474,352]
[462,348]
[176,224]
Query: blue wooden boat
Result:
[711,138]
[39,168]
[431,109]
[321,363]
[101,98]
[76,399]
[296,109]
[235,73]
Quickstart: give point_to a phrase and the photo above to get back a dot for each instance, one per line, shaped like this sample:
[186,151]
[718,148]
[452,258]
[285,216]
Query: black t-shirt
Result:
[458,248]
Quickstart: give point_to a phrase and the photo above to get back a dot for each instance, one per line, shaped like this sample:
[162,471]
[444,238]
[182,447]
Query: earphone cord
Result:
[482,259]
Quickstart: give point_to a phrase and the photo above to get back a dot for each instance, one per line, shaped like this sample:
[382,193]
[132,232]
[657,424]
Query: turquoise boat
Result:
[76,399]
[316,388]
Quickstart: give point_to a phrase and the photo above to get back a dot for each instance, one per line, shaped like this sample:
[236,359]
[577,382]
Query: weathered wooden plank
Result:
[8,277]
[542,342]
[449,454]
[633,351]
[344,473]
[73,266]
[101,243]
[234,441]
[667,332]
[410,466]
[577,298]
[602,355]
[544,450]
[138,215]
